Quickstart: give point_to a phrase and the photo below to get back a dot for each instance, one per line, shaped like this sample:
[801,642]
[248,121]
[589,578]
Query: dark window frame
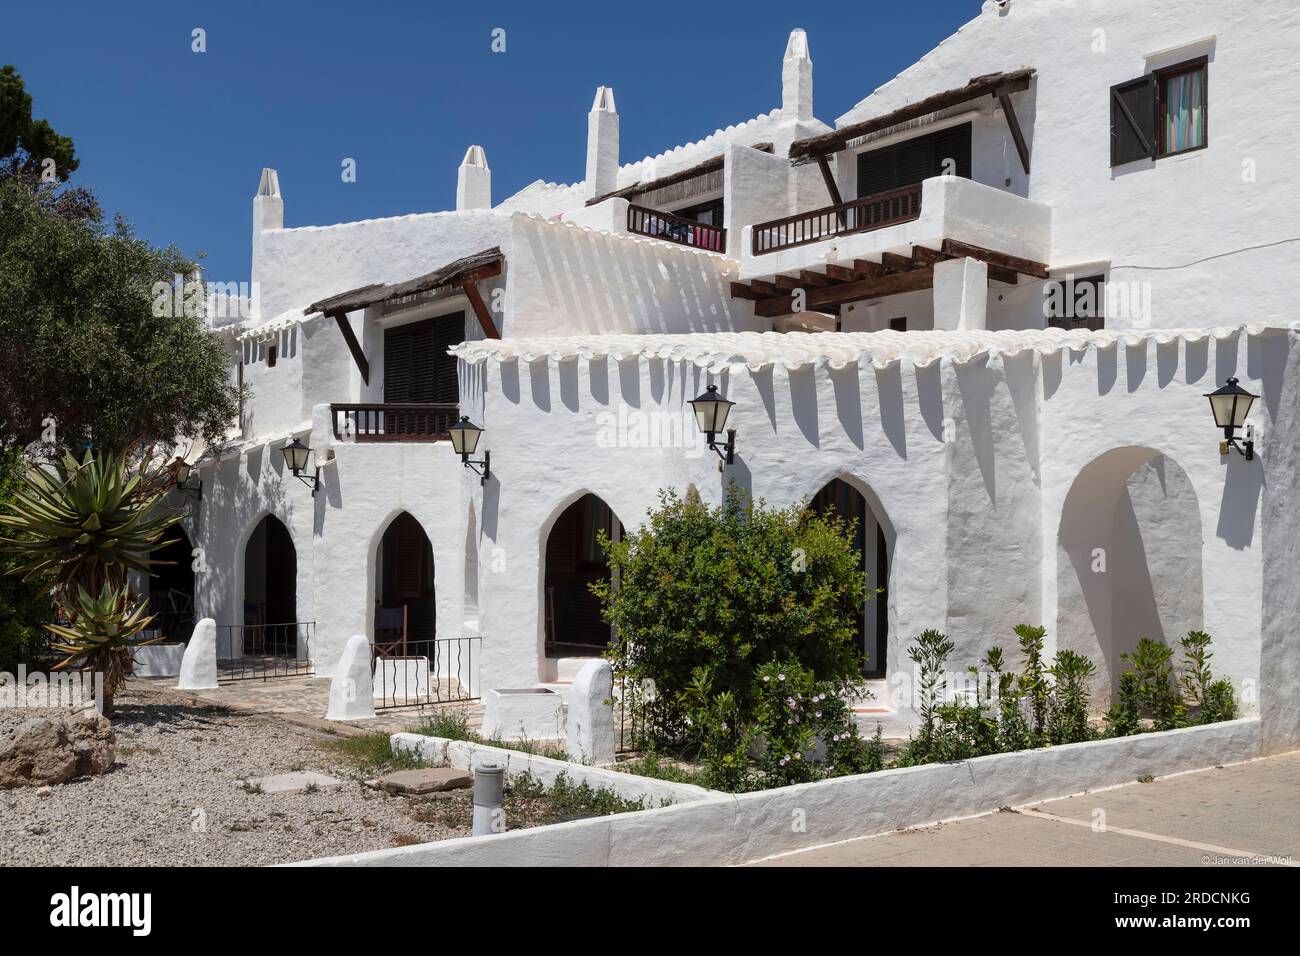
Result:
[1200,63]
[1071,319]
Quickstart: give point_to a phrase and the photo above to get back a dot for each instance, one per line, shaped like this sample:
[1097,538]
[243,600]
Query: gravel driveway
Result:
[173,797]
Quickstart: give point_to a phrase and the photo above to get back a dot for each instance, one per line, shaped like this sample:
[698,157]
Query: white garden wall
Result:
[751,826]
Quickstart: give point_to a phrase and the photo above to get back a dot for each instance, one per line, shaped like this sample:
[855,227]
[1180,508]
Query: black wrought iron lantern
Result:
[1231,404]
[711,411]
[465,437]
[295,458]
[182,472]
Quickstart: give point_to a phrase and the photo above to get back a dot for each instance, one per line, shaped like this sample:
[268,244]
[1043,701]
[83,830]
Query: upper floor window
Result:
[1076,303]
[1160,114]
[945,152]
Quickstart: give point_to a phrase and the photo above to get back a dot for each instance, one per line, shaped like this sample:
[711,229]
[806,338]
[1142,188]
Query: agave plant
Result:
[80,528]
[85,525]
[103,630]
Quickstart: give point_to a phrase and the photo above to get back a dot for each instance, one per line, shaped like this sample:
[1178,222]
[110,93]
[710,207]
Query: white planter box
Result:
[527,712]
[158,660]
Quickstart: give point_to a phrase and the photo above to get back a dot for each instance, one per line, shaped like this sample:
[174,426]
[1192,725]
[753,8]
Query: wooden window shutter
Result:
[397,365]
[417,367]
[450,330]
[1133,120]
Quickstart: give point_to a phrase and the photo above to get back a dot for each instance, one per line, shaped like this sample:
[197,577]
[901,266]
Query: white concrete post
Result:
[199,665]
[602,144]
[796,78]
[474,181]
[351,693]
[589,727]
[961,294]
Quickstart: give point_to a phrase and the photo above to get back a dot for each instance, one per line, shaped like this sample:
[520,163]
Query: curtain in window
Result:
[1185,111]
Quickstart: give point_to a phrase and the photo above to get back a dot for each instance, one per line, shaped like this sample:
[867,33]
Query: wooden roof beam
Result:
[1015,263]
[836,295]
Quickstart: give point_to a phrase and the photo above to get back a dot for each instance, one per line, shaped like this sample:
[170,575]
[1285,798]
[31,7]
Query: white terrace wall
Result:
[967,465]
[1220,218]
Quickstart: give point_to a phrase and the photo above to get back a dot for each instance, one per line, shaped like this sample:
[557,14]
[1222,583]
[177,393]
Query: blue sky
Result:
[175,140]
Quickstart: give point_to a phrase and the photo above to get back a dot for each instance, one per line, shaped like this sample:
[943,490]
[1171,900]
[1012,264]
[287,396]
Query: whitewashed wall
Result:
[1218,218]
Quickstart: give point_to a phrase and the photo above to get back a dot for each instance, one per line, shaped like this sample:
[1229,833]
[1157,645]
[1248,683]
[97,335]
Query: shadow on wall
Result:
[1128,557]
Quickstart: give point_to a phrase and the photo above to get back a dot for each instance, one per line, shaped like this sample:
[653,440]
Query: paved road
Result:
[1219,817]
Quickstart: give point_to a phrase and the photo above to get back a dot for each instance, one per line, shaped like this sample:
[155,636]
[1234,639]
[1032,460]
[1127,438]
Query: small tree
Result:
[706,596]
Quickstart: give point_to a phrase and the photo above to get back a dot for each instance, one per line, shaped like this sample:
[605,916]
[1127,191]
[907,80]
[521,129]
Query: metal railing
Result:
[365,423]
[664,225]
[641,720]
[264,651]
[420,673]
[860,215]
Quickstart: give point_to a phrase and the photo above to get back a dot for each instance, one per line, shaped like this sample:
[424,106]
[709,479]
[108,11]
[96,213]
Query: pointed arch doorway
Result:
[841,498]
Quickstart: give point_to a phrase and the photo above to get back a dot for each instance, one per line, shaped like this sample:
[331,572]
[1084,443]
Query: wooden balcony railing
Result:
[860,215]
[664,225]
[393,422]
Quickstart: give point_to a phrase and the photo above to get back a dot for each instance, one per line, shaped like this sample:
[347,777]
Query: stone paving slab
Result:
[1251,809]
[426,780]
[304,699]
[298,781]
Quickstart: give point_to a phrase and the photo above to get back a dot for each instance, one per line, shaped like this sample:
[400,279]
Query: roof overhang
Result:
[996,85]
[463,274]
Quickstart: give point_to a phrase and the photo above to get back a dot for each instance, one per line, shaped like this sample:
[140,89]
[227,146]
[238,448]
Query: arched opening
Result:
[1128,558]
[171,587]
[405,604]
[842,499]
[270,590]
[572,623]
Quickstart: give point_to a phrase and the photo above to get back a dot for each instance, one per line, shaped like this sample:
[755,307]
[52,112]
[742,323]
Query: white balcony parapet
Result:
[952,207]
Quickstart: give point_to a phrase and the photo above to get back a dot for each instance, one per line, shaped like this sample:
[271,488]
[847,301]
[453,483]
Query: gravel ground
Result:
[173,797]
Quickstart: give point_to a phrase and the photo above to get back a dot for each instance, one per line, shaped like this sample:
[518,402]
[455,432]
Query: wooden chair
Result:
[390,631]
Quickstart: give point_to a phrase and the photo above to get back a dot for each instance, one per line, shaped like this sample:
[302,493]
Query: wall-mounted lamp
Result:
[1231,404]
[295,457]
[711,411]
[182,472]
[464,440]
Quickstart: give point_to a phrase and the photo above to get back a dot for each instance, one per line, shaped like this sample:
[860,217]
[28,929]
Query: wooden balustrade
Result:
[664,225]
[365,423]
[860,215]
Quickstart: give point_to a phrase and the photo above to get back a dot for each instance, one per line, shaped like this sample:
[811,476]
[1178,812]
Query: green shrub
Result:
[1032,680]
[708,596]
[1069,700]
[1212,698]
[1124,716]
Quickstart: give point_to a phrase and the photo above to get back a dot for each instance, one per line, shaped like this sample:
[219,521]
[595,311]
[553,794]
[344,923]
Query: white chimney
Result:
[268,206]
[796,77]
[474,181]
[602,144]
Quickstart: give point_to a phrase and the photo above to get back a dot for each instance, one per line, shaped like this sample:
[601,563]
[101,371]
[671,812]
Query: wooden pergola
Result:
[839,284]
[463,274]
[1000,86]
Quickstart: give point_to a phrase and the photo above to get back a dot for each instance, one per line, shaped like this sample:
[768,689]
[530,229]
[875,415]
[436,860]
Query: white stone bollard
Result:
[199,663]
[589,727]
[351,697]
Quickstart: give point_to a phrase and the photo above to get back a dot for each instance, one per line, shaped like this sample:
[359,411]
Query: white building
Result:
[882,301]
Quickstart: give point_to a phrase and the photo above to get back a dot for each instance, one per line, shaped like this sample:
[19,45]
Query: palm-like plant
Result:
[82,527]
